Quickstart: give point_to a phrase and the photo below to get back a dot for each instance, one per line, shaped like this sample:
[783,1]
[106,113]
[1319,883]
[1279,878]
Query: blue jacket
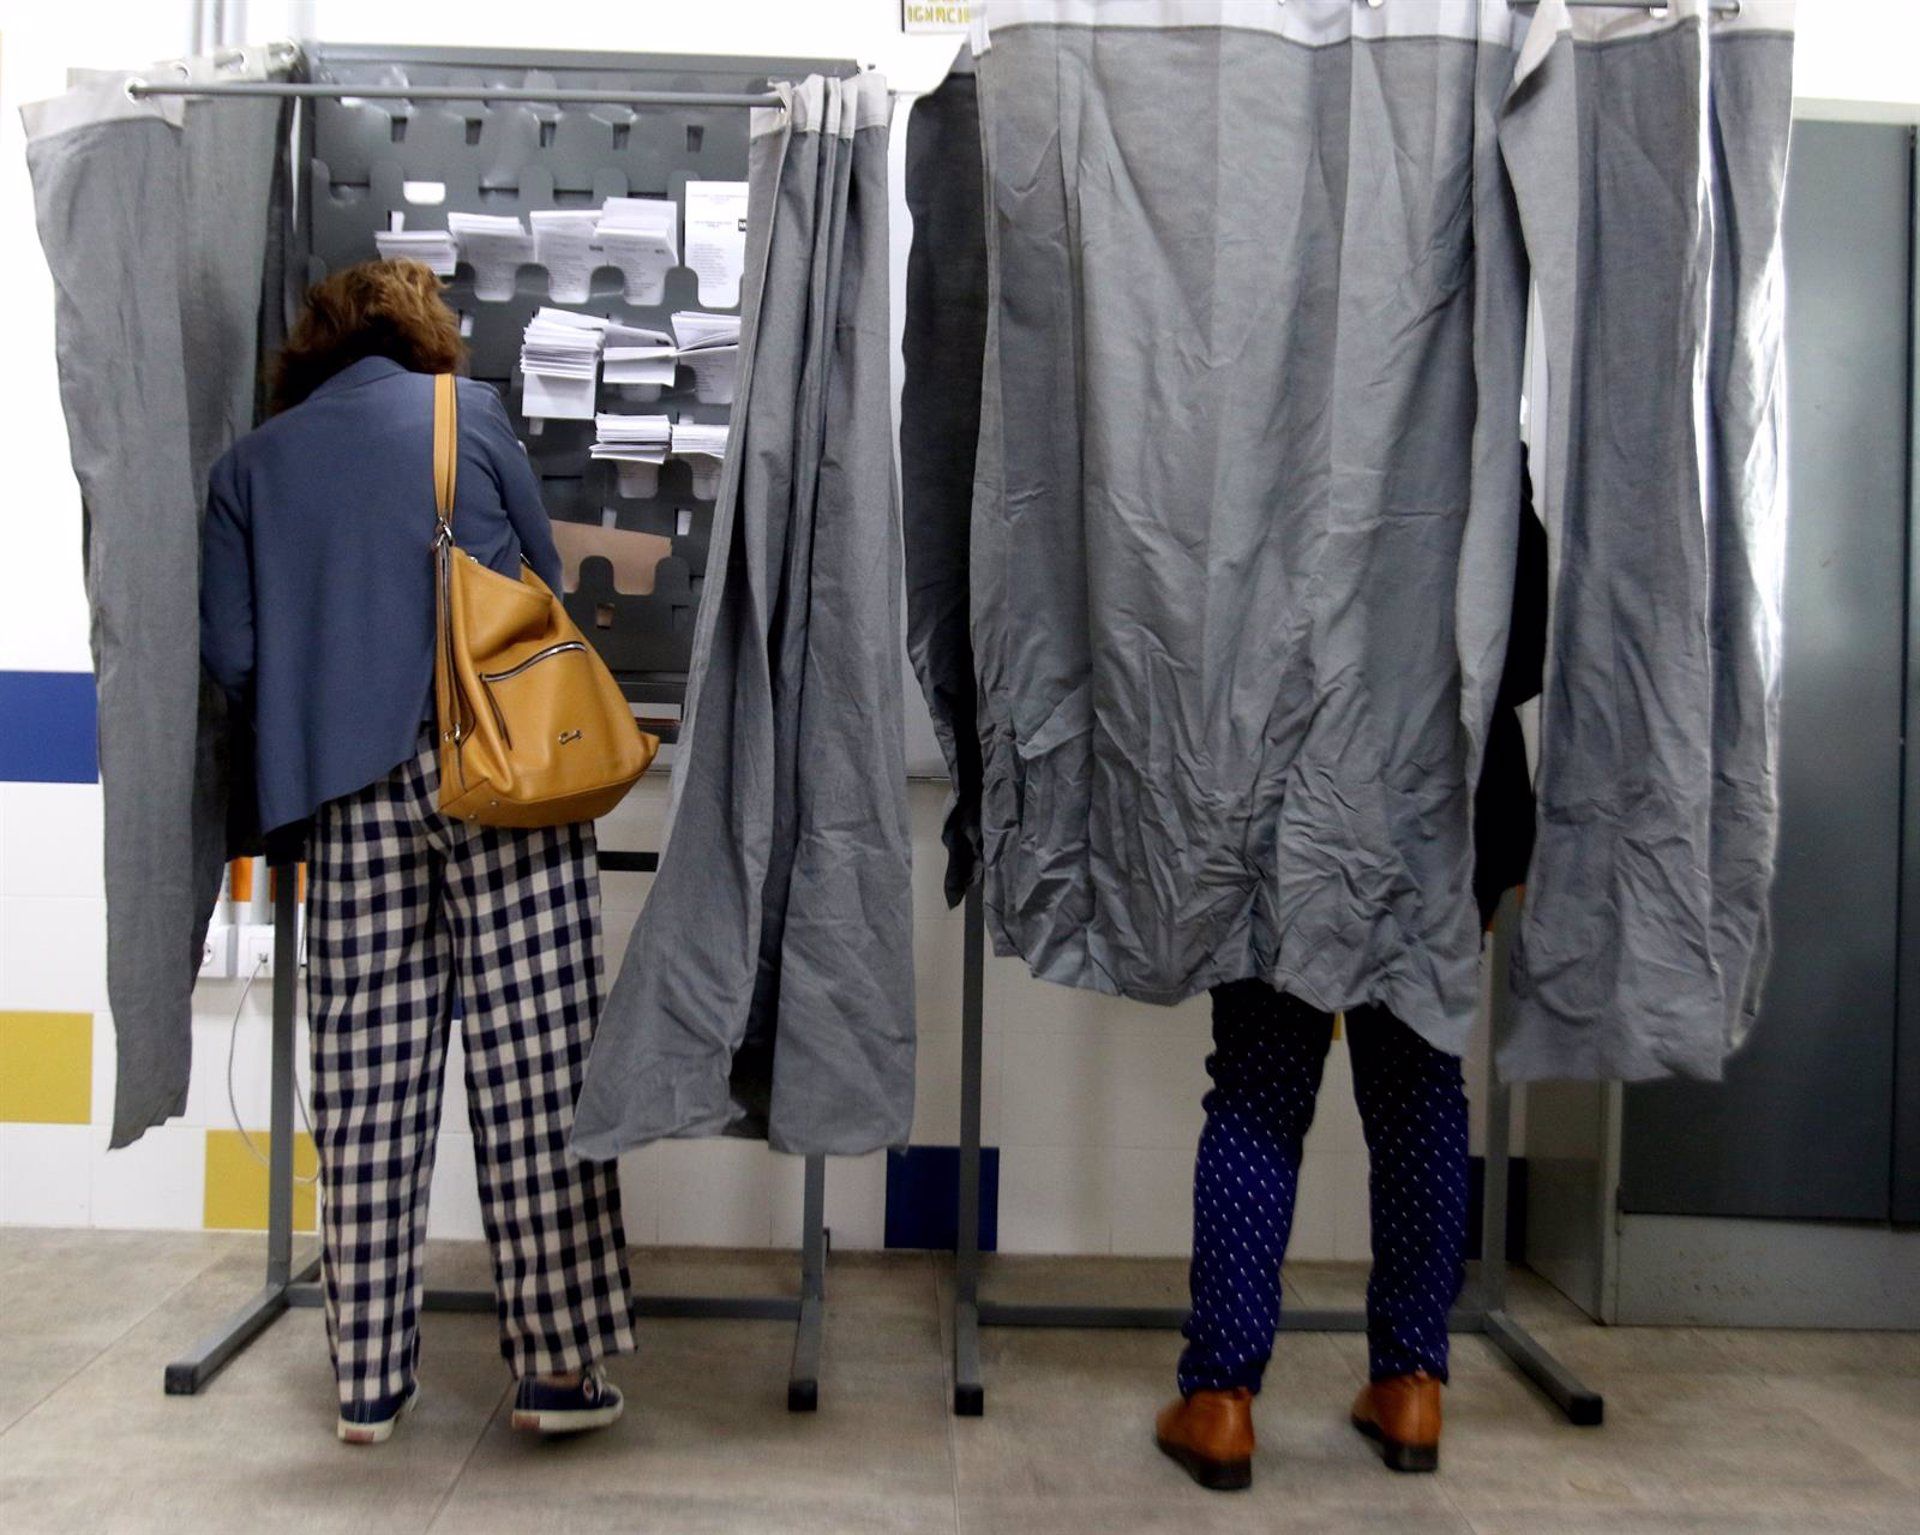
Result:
[316,582]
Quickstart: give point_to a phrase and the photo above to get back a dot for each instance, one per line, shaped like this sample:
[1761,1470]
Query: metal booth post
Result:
[1485,1314]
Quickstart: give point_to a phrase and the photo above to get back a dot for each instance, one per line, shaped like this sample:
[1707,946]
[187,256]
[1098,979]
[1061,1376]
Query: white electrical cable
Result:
[233,1104]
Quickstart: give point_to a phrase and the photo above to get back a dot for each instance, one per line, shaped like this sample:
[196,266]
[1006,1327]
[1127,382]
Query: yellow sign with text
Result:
[935,15]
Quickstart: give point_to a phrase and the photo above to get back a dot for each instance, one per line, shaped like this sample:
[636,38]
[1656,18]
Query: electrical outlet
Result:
[216,956]
[255,950]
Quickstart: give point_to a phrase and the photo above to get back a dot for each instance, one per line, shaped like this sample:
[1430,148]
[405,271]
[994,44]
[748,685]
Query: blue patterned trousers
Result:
[1269,1050]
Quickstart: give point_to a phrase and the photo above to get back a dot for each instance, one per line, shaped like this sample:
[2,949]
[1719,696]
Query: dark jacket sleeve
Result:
[519,486]
[226,586]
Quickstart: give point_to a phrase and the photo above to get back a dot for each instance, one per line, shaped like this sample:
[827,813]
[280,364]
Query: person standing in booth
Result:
[1269,1052]
[317,619]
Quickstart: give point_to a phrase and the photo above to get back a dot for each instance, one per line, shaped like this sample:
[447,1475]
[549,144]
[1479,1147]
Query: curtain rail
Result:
[141,89]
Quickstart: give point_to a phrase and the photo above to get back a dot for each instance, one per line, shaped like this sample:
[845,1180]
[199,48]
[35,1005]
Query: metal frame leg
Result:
[803,1376]
[1581,1405]
[211,1354]
[969,1393]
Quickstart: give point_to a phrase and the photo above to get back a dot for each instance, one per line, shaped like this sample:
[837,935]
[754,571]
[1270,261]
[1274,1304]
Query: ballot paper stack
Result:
[560,358]
[703,445]
[710,346]
[640,236]
[640,362]
[563,244]
[495,246]
[638,445]
[433,248]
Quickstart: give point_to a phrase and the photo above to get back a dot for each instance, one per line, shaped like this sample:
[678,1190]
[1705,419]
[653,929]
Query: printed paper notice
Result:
[717,239]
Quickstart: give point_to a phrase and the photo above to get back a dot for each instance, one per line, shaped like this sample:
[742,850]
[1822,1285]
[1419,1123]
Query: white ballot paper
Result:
[433,247]
[641,236]
[560,364]
[494,246]
[637,445]
[639,361]
[703,445]
[717,238]
[710,346]
[563,244]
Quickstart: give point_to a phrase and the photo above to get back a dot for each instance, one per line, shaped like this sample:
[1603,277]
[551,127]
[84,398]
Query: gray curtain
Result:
[768,986]
[155,217]
[1240,550]
[1649,162]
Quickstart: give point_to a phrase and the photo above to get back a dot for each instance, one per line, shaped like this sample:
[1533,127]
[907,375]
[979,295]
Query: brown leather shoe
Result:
[1403,1416]
[1210,1434]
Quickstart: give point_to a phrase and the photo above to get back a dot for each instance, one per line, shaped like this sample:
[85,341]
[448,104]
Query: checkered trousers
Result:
[411,917]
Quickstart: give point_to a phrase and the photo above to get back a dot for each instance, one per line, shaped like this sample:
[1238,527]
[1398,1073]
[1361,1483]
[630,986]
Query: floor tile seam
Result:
[459,1475]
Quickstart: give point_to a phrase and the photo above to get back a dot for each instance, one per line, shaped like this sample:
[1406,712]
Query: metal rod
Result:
[1494,1187]
[1651,7]
[969,1393]
[212,1353]
[813,1228]
[286,979]
[972,1027]
[140,90]
[1583,1407]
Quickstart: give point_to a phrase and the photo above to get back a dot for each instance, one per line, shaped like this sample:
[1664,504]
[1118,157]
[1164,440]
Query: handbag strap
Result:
[446,456]
[446,445]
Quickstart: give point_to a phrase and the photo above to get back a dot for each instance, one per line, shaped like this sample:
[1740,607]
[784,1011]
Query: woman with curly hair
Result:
[317,618]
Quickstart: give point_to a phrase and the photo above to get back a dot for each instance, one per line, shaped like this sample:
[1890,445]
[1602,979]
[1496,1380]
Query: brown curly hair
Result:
[375,309]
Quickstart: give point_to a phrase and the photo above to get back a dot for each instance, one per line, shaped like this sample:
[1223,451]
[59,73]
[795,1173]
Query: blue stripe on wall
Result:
[923,1197]
[47,728]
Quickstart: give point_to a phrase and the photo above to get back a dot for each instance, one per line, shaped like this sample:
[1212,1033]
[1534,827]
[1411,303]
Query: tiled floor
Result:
[1718,1431]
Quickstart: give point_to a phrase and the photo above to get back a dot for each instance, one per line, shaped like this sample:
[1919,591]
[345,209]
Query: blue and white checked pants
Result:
[409,914]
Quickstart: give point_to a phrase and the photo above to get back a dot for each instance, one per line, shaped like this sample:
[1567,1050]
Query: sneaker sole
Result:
[1214,1475]
[573,1422]
[1399,1456]
[359,1434]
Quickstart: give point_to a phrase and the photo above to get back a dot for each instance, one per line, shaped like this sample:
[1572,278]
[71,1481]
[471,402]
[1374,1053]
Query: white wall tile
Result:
[103,1069]
[453,1210]
[1056,1199]
[157,1183]
[1161,1076]
[715,1193]
[938,956]
[1336,1122]
[640,1195]
[856,1210]
[45,1174]
[53,952]
[252,1047]
[1058,1084]
[936,1104]
[53,846]
[1152,1201]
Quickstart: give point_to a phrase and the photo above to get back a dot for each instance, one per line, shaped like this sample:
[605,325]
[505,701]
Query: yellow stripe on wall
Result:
[236,1187]
[46,1068]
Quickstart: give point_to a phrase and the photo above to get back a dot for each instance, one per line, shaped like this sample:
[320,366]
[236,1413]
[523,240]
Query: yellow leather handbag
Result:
[534,731]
